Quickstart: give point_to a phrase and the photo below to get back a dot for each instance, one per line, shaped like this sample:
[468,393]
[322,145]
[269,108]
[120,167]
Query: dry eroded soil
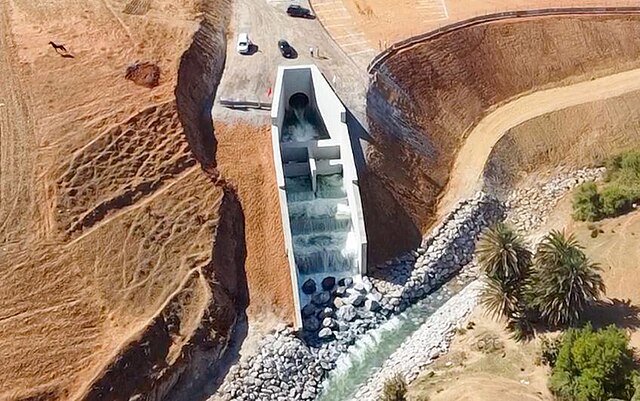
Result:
[105,220]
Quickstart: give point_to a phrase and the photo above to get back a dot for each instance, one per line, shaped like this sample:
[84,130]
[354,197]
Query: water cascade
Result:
[317,185]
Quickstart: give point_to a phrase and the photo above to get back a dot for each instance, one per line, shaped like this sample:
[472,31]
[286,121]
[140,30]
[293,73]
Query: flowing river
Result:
[366,357]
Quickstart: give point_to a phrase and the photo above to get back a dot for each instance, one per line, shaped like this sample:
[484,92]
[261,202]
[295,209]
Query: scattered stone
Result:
[325,333]
[371,305]
[345,282]
[356,299]
[346,313]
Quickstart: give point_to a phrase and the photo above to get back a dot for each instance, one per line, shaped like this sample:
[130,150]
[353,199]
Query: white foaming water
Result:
[301,130]
[368,355]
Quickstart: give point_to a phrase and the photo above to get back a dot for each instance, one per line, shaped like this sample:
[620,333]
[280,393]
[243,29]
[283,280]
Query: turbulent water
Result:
[320,225]
[369,354]
[302,125]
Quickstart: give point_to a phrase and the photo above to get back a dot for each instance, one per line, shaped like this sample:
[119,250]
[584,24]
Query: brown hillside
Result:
[121,261]
[426,99]
[576,136]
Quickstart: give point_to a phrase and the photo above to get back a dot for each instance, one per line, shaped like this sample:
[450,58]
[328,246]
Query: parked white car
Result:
[244,44]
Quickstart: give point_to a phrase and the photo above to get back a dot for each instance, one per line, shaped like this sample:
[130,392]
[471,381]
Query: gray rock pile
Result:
[291,366]
[529,207]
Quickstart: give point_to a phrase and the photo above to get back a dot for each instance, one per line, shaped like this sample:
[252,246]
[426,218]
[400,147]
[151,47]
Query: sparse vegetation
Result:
[395,389]
[620,190]
[593,365]
[549,350]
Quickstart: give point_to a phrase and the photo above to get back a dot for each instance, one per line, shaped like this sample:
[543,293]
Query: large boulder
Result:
[321,298]
[309,287]
[311,324]
[309,310]
[325,333]
[328,283]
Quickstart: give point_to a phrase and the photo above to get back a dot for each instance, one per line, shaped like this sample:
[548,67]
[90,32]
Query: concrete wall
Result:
[335,152]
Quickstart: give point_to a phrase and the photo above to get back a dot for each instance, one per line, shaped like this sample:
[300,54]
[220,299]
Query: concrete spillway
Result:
[317,181]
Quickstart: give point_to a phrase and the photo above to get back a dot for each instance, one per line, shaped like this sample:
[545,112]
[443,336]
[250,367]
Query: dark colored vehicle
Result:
[286,49]
[299,11]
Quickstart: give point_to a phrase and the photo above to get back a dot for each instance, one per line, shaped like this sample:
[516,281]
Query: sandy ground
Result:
[381,23]
[484,364]
[471,159]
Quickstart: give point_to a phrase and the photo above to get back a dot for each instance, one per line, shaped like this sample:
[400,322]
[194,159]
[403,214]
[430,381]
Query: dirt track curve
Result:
[468,167]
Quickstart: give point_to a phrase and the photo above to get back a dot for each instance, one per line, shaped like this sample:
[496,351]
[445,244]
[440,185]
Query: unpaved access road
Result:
[465,177]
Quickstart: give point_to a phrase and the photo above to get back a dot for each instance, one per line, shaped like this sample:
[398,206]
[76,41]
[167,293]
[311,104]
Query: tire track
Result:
[17,139]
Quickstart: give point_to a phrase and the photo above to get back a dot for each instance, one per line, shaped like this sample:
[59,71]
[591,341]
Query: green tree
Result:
[587,205]
[564,281]
[395,389]
[502,254]
[506,261]
[593,366]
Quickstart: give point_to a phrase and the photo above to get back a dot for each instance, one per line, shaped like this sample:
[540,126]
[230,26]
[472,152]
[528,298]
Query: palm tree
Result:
[506,261]
[499,298]
[565,281]
[502,253]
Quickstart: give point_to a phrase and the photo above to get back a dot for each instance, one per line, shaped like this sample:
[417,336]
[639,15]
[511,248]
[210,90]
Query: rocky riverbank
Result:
[292,365]
[529,207]
[426,344]
[526,209]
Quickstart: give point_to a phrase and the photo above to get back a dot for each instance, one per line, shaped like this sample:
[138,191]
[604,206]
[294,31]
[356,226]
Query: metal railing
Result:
[244,104]
[378,60]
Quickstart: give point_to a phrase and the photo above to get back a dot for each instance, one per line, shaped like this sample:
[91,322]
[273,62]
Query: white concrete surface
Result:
[315,157]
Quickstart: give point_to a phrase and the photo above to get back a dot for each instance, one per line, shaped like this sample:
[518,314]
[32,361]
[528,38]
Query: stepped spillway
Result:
[317,181]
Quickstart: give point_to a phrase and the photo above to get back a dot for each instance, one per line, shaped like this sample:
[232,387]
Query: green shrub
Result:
[586,202]
[620,191]
[616,200]
[395,389]
[593,366]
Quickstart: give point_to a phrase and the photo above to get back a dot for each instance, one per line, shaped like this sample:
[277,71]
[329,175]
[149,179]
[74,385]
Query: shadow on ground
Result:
[614,311]
[390,229]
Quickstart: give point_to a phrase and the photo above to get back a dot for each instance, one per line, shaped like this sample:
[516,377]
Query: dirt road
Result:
[465,177]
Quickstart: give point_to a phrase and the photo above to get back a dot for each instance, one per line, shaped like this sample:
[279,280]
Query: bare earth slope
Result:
[470,161]
[110,268]
[576,136]
[424,101]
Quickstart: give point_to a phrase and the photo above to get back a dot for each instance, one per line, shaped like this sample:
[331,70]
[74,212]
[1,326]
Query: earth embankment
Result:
[580,135]
[424,101]
[112,289]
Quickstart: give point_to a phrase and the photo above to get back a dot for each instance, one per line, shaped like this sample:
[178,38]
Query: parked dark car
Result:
[286,49]
[299,11]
